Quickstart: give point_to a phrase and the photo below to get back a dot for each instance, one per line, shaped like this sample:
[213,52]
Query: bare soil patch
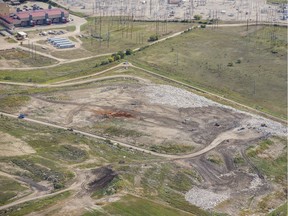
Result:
[159,118]
[12,146]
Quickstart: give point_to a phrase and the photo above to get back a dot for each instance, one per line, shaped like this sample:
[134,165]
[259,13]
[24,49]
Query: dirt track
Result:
[233,134]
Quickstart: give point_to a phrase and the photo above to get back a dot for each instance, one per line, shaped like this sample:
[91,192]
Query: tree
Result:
[49,6]
[129,52]
[197,17]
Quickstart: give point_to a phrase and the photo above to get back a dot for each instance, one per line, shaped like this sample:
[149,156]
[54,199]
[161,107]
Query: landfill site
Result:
[225,10]
[197,133]
[186,117]
[144,127]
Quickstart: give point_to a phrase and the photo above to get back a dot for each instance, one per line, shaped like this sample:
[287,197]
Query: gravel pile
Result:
[204,198]
[172,96]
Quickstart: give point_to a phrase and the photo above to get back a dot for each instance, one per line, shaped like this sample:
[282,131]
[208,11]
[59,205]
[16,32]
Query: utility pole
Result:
[150,7]
[247,27]
[100,29]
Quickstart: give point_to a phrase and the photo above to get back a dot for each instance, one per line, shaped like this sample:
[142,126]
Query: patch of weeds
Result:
[280,211]
[122,132]
[180,182]
[260,148]
[112,188]
[71,153]
[8,189]
[238,160]
[215,159]
[171,148]
[13,101]
[39,173]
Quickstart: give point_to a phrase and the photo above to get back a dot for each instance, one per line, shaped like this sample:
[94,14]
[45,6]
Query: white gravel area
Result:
[172,96]
[204,198]
[255,183]
[180,98]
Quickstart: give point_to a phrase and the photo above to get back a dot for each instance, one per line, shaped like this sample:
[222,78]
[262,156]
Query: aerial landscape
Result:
[143,107]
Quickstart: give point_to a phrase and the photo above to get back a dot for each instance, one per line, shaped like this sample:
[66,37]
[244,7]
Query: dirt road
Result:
[231,134]
[77,82]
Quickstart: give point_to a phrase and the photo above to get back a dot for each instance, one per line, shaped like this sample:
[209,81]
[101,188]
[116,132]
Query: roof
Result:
[7,19]
[22,33]
[174,1]
[40,13]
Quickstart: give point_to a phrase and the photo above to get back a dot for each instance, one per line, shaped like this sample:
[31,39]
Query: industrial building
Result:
[174,1]
[34,17]
[61,43]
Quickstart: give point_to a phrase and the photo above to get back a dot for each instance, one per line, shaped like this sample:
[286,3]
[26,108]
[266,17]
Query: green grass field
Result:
[120,35]
[248,68]
[281,211]
[56,73]
[25,58]
[9,189]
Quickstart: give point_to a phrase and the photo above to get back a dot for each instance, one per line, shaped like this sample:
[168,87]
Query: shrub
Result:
[7,78]
[238,61]
[58,185]
[153,38]
[197,17]
[110,59]
[104,62]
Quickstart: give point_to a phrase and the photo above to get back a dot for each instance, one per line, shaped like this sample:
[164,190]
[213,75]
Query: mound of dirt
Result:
[104,175]
[113,114]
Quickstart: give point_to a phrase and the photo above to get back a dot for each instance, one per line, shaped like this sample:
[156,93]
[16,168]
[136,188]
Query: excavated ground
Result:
[173,121]
[144,115]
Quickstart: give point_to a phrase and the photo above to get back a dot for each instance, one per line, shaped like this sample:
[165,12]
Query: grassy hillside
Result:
[246,66]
